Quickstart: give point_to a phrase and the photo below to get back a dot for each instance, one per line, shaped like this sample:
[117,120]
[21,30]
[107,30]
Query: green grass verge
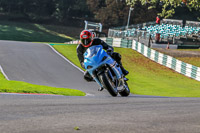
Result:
[23,87]
[30,32]
[146,77]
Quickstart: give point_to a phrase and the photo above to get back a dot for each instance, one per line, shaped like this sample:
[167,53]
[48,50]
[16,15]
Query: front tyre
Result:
[126,90]
[108,84]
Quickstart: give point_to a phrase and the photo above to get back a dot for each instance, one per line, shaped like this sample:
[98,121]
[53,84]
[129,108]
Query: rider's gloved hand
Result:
[110,52]
[82,64]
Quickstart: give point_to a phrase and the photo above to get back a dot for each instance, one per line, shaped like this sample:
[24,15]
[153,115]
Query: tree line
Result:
[168,8]
[108,12]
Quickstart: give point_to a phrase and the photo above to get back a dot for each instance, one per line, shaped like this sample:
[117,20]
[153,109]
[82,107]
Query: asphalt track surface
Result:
[96,113]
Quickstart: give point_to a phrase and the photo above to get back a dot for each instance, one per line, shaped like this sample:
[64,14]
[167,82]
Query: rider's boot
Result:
[124,71]
[126,79]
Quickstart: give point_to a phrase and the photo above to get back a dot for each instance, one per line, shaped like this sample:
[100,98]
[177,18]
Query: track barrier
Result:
[165,60]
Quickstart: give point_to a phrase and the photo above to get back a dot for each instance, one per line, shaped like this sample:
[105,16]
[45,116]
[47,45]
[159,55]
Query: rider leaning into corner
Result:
[87,40]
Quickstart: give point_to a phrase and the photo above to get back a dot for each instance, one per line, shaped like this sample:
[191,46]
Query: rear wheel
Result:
[126,90]
[108,84]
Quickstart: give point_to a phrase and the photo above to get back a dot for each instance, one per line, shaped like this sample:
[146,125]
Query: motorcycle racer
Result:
[87,40]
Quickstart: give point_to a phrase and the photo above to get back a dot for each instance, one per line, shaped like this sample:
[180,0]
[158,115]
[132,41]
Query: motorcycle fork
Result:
[95,77]
[110,75]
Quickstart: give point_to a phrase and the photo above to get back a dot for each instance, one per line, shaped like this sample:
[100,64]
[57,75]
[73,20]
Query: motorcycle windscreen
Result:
[94,55]
[92,51]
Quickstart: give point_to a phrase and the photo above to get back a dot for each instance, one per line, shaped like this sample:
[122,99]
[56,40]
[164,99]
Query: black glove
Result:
[82,64]
[110,52]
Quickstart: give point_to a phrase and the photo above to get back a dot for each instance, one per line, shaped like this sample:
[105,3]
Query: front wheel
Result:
[126,90]
[108,84]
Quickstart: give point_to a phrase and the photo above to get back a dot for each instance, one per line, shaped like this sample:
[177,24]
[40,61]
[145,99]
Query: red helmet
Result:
[86,38]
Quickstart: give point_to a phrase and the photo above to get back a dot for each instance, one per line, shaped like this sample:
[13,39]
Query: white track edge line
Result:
[4,73]
[64,57]
[88,94]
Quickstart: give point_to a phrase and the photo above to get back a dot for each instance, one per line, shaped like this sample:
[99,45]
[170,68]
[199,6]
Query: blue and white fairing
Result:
[95,57]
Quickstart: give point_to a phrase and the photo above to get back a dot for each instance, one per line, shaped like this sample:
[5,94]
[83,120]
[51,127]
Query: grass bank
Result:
[23,87]
[19,31]
[146,77]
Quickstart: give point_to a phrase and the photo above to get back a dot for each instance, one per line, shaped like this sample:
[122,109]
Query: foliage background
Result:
[109,12]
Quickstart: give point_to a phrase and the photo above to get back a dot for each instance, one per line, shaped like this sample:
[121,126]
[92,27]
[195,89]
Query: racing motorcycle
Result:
[105,71]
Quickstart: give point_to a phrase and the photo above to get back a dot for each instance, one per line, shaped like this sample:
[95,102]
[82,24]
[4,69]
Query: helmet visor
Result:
[86,42]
